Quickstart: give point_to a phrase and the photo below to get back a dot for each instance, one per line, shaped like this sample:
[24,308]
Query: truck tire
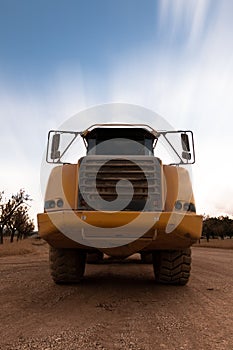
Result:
[172,266]
[95,258]
[67,265]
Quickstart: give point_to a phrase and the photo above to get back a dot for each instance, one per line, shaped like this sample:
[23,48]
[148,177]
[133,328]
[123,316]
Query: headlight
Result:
[51,204]
[178,205]
[185,206]
[60,203]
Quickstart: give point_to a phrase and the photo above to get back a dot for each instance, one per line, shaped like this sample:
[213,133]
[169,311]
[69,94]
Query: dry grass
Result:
[216,243]
[25,246]
[33,246]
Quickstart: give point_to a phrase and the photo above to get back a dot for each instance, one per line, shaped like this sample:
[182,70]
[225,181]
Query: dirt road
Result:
[117,306]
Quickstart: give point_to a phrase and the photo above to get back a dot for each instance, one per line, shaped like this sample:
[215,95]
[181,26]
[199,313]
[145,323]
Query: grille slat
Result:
[144,174]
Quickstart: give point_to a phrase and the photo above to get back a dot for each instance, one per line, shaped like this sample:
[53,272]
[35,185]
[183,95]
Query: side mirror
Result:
[185,142]
[185,146]
[55,153]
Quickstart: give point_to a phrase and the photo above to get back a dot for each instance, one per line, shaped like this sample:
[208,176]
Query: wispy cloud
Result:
[26,116]
[192,90]
[177,17]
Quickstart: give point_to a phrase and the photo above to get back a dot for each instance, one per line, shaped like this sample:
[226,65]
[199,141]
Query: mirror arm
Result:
[164,135]
[75,136]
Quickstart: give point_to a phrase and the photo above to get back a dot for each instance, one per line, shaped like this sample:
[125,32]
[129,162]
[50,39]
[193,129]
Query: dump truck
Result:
[120,198]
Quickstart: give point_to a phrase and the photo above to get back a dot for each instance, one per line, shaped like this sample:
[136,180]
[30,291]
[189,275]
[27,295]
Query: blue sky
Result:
[39,36]
[173,56]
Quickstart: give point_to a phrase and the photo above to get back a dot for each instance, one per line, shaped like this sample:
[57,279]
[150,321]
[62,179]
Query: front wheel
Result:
[67,265]
[172,266]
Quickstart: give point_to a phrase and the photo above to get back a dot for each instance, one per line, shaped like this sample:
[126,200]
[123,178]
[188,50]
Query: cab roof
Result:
[106,133]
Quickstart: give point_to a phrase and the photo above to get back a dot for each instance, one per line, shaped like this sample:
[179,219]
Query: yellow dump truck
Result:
[120,198]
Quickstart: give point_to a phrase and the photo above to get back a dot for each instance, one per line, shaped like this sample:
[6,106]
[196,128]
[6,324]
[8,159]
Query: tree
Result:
[22,223]
[8,209]
[228,226]
[221,226]
[209,227]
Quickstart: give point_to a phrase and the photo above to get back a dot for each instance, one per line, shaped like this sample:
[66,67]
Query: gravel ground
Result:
[117,306]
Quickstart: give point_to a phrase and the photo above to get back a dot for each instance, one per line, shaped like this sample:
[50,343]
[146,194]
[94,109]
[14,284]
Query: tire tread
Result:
[172,266]
[67,265]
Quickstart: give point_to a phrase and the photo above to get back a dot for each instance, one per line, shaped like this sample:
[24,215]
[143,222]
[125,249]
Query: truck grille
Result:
[99,178]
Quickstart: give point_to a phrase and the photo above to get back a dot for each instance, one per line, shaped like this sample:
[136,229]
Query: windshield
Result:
[120,146]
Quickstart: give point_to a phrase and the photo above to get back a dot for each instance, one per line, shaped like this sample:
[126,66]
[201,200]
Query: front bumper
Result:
[120,233]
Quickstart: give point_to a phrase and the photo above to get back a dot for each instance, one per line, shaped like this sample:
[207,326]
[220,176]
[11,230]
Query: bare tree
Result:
[9,207]
[22,223]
